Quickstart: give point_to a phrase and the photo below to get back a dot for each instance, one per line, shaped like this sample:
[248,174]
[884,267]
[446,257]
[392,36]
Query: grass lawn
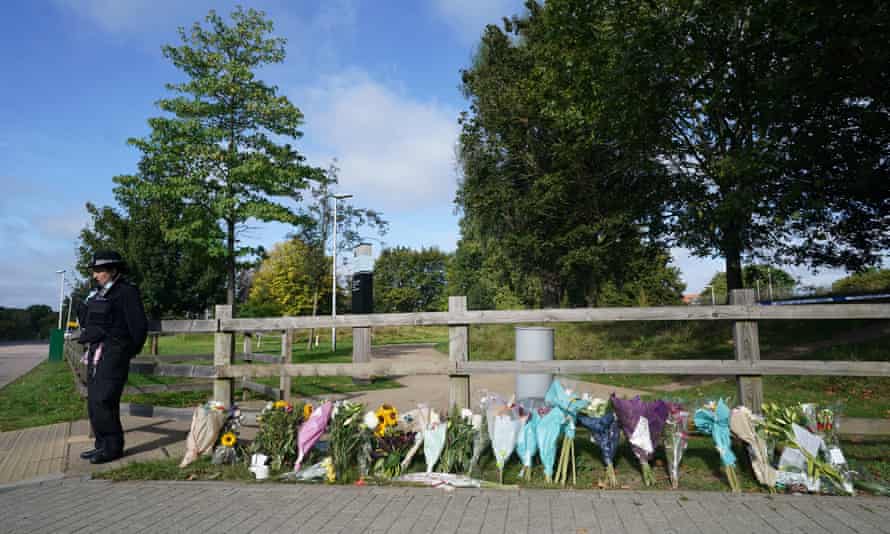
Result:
[860,397]
[43,396]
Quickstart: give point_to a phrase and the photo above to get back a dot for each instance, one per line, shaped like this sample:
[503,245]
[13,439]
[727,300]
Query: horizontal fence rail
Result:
[566,367]
[578,315]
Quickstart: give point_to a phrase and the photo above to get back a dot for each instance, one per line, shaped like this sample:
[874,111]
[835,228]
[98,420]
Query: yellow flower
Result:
[307,410]
[228,439]
[329,469]
[280,404]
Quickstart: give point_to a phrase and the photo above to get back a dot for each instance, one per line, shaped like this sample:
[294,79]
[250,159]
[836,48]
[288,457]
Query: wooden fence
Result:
[747,366]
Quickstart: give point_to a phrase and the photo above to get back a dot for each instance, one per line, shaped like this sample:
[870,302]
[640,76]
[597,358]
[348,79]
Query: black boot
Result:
[86,455]
[104,456]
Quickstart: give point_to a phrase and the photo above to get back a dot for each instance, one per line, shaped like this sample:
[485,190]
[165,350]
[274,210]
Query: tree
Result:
[771,118]
[648,282]
[545,188]
[283,284]
[870,281]
[218,150]
[407,280]
[176,277]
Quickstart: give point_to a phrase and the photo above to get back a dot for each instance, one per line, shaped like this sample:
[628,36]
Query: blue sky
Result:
[376,81]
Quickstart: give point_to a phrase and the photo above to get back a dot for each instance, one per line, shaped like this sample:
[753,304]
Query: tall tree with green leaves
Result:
[771,118]
[283,283]
[407,280]
[221,147]
[177,278]
[545,188]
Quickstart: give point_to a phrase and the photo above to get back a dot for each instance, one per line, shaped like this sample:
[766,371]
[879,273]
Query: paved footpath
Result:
[80,505]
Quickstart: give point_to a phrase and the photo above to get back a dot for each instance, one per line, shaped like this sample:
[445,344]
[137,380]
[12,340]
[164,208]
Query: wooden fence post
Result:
[747,349]
[361,349]
[223,354]
[284,382]
[248,347]
[458,351]
[154,344]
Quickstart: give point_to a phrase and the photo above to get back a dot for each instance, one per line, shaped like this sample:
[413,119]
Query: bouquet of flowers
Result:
[748,427]
[390,450]
[225,452]
[277,435]
[782,423]
[603,427]
[547,430]
[503,438]
[527,444]
[433,439]
[347,434]
[480,437]
[569,404]
[458,450]
[311,431]
[207,421]
[676,439]
[713,419]
[642,423]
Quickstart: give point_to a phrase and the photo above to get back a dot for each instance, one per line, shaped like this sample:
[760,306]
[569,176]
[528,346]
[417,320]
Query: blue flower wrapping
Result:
[716,424]
[605,433]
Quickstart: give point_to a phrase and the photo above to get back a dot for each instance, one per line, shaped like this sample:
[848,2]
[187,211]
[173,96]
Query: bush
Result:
[870,281]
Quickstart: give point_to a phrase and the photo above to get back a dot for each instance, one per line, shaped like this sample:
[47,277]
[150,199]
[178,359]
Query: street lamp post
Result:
[61,294]
[334,275]
[769,276]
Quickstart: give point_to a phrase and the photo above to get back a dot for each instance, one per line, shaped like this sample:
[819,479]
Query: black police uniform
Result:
[116,320]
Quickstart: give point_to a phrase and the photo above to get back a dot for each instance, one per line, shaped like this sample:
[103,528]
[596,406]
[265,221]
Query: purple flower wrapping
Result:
[629,412]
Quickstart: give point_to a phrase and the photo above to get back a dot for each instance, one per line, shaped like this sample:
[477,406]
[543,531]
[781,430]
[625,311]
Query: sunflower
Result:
[307,410]
[228,439]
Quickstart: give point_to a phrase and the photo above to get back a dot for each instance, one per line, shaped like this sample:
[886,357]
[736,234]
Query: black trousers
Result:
[104,389]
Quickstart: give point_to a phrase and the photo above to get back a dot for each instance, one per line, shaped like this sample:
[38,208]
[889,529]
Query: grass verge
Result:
[44,396]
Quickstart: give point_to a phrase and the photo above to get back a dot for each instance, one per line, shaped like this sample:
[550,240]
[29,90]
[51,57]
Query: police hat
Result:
[108,259]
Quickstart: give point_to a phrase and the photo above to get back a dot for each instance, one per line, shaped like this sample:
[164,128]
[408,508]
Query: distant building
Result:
[690,298]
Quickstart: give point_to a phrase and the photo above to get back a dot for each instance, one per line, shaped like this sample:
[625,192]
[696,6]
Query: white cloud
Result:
[118,16]
[469,17]
[394,151]
[38,233]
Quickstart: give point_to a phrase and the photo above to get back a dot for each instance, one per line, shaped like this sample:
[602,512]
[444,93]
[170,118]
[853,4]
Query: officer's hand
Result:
[92,334]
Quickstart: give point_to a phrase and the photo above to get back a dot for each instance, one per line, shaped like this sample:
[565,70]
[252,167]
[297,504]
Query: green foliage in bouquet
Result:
[277,435]
[458,452]
[347,434]
[777,424]
[390,450]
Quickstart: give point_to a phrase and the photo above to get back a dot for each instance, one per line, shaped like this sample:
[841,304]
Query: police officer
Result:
[114,330]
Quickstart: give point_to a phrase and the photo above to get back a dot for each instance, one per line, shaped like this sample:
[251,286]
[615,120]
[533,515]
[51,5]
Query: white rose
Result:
[477,421]
[370,420]
[466,414]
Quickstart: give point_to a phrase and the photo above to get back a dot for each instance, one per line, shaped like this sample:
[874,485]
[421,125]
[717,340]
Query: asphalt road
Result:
[20,357]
